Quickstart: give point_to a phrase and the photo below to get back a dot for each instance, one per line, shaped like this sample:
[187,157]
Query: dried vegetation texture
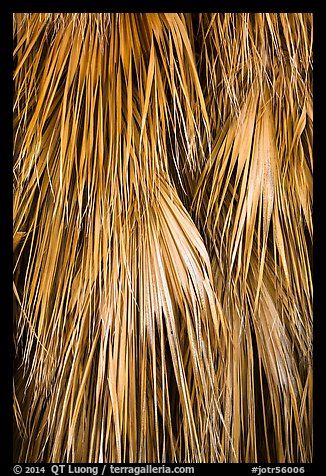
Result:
[163,237]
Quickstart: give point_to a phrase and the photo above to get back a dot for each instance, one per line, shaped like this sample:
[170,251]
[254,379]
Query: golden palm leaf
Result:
[163,237]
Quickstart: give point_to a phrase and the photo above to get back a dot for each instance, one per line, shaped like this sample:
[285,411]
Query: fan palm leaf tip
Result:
[163,237]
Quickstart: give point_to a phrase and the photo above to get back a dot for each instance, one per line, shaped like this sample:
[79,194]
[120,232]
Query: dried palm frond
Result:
[163,237]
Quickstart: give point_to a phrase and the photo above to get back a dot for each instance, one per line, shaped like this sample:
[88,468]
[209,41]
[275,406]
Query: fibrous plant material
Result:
[163,237]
